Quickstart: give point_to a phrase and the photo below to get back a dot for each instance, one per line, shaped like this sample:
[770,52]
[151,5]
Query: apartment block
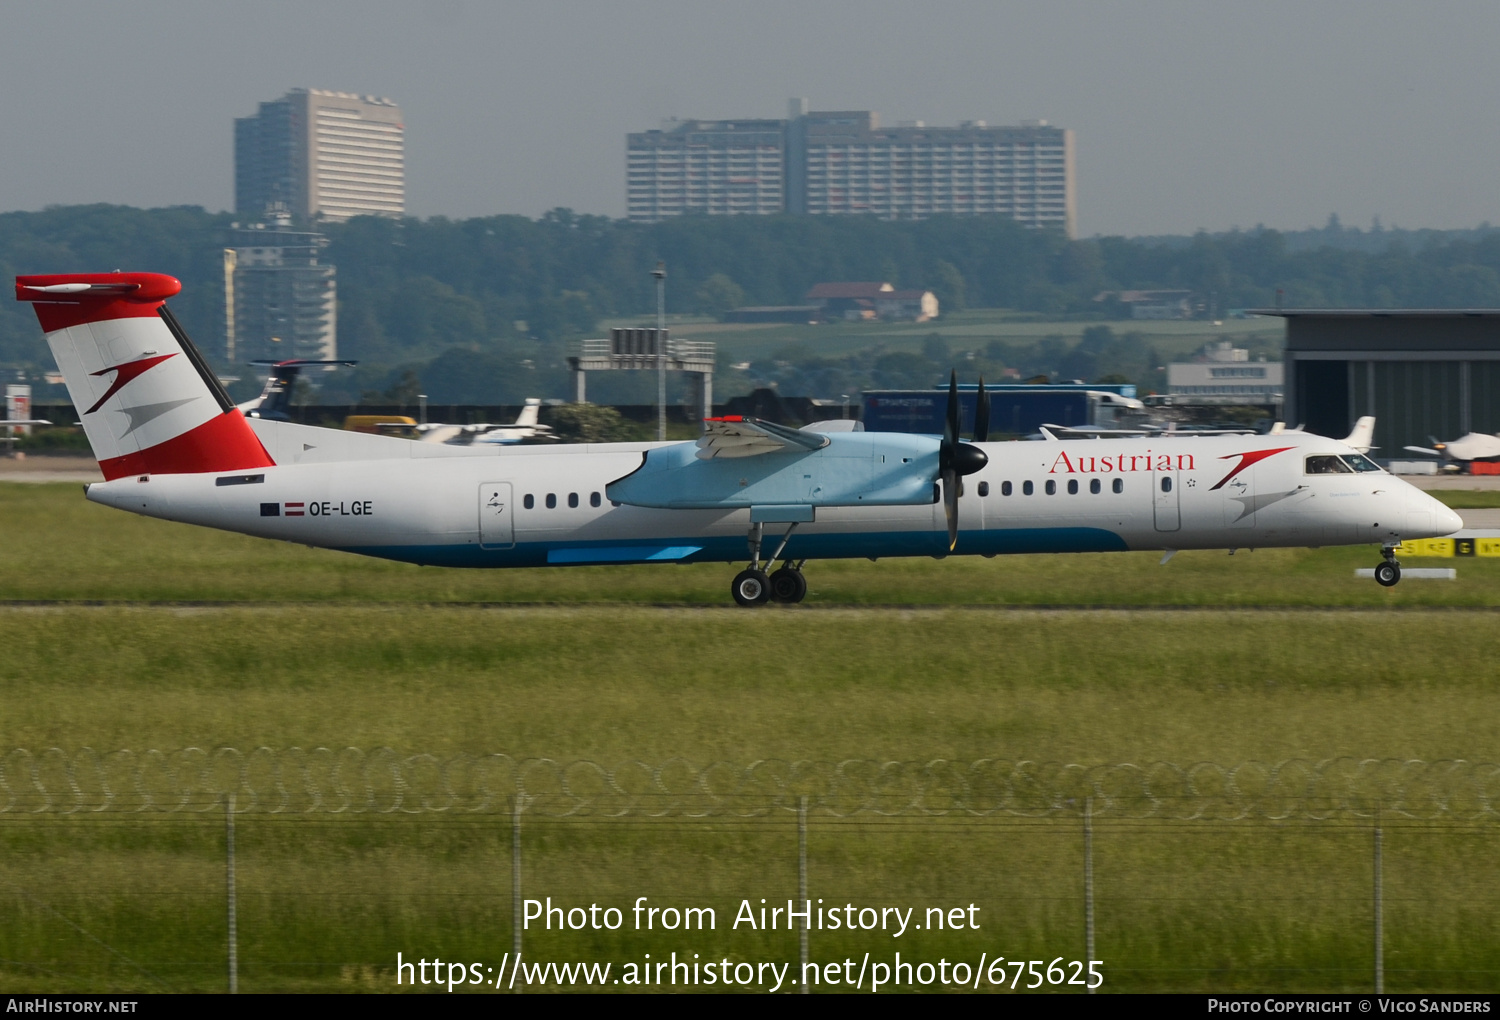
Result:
[280,296]
[846,163]
[710,167]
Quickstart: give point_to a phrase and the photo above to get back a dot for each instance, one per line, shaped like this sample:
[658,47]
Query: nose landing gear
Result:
[1389,572]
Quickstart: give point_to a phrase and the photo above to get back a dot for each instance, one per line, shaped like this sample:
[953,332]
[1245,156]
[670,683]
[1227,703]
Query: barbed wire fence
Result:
[350,782]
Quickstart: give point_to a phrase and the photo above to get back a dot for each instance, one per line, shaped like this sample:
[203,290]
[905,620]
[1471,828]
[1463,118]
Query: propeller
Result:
[982,414]
[957,458]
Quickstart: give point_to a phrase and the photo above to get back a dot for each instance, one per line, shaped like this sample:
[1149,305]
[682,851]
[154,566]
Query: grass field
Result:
[1468,499]
[286,646]
[967,330]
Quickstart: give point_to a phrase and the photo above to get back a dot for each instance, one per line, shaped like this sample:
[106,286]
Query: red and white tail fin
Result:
[148,401]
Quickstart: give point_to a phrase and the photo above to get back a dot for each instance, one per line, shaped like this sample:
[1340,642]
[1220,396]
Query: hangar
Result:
[1420,372]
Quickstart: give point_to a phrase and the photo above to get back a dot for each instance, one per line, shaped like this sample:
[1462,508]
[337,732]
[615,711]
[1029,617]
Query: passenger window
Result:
[1327,464]
[593,499]
[529,502]
[1027,488]
[984,488]
[1360,463]
[551,501]
[1094,486]
[1119,485]
[1051,487]
[1005,489]
[1166,484]
[1072,486]
[573,500]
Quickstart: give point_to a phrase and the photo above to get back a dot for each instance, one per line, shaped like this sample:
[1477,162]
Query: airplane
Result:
[485,433]
[172,445]
[1471,446]
[276,398]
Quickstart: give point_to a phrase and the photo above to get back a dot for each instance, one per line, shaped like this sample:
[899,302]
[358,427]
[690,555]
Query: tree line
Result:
[487,298]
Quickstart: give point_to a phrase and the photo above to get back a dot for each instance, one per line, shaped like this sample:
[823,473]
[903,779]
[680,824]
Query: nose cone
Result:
[1426,517]
[1445,520]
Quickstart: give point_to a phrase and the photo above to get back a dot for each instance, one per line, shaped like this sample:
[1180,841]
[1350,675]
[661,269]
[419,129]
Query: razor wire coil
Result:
[350,781]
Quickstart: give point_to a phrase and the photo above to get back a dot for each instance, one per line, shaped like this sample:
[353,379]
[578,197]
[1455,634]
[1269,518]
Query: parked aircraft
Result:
[276,397]
[1469,447]
[171,444]
[525,427]
[275,400]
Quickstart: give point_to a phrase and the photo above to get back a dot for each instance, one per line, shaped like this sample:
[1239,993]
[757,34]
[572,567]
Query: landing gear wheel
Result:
[751,587]
[788,585]
[1387,574]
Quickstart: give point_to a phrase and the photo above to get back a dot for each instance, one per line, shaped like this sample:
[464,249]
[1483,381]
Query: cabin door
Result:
[497,514]
[1164,499]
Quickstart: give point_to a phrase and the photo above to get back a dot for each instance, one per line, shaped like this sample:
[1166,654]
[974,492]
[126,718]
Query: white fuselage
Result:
[538,506]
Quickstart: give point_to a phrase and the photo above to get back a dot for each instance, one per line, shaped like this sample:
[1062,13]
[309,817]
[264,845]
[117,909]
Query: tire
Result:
[1387,575]
[751,588]
[788,585]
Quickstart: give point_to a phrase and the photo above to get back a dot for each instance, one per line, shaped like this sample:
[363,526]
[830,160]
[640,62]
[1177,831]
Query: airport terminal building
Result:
[1420,372]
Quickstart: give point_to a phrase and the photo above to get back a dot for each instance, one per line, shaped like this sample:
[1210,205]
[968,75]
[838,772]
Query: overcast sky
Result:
[1188,114]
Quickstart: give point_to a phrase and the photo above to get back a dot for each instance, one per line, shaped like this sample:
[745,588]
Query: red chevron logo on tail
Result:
[124,373]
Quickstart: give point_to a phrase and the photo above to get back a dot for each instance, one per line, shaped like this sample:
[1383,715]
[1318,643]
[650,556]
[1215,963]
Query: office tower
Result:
[322,155]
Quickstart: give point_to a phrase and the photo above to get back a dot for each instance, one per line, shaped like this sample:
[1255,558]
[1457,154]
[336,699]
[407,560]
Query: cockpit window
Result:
[1327,464]
[1359,462]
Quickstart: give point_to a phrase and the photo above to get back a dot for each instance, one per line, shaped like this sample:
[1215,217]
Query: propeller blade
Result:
[955,459]
[953,421]
[950,506]
[982,414]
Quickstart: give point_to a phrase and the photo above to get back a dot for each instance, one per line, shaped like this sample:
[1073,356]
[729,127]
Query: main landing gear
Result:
[1389,572]
[752,586]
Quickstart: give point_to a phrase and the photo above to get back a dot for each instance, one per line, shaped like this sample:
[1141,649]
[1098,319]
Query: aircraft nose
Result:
[1445,519]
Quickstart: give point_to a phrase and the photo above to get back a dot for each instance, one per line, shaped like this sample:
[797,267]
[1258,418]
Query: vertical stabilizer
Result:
[1363,435]
[148,400]
[529,412]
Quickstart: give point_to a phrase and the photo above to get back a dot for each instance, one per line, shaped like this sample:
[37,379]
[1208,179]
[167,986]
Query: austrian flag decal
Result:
[275,509]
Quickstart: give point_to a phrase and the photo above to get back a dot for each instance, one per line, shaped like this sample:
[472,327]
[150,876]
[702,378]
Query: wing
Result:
[735,436]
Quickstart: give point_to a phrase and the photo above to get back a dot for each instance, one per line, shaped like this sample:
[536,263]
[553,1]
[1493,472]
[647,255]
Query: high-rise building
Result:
[280,296]
[323,155]
[714,167]
[844,162]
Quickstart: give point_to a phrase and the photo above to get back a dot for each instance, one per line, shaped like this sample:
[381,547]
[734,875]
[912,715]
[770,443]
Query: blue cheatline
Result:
[732,548]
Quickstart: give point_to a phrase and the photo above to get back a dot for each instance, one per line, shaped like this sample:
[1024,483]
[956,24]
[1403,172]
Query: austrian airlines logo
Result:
[1246,459]
[123,374]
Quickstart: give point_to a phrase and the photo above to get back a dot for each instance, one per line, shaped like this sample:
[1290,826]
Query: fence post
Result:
[802,887]
[1379,906]
[515,879]
[1088,882]
[234,961]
